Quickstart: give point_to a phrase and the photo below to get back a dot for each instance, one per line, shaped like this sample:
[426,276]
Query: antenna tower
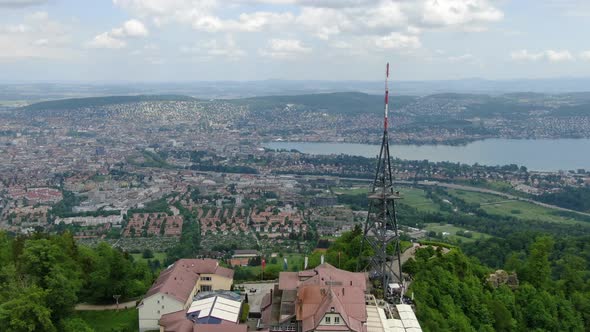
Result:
[380,229]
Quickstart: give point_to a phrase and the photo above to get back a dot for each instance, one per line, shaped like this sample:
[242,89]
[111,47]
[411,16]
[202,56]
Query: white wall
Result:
[153,308]
[331,317]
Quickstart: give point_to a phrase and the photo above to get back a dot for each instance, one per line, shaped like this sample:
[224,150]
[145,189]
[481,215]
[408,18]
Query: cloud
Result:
[550,55]
[105,40]
[131,28]
[284,49]
[558,56]
[396,40]
[461,58]
[526,55]
[37,36]
[323,19]
[459,12]
[21,3]
[585,55]
[115,38]
[215,48]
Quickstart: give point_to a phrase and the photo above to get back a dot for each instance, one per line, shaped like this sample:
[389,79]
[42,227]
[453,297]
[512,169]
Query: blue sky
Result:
[193,40]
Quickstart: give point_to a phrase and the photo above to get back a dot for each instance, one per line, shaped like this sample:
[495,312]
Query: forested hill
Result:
[77,103]
[346,103]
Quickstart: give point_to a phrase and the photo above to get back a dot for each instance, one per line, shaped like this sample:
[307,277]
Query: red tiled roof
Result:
[326,287]
[179,279]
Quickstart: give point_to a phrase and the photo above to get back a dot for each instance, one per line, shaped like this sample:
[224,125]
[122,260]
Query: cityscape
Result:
[294,165]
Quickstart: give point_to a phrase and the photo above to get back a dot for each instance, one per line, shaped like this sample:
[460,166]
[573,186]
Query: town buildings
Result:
[177,285]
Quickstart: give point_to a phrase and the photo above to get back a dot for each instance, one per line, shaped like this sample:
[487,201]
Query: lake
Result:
[535,154]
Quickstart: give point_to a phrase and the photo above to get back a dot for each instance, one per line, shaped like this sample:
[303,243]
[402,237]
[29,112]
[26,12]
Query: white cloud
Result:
[550,55]
[558,56]
[397,40]
[323,19]
[131,28]
[104,40]
[114,39]
[284,49]
[585,55]
[459,12]
[461,58]
[37,36]
[215,48]
[526,55]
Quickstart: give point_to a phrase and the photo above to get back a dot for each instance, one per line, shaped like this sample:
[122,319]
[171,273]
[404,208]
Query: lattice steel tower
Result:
[380,230]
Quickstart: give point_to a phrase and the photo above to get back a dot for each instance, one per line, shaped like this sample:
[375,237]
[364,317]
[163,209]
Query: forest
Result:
[42,278]
[452,291]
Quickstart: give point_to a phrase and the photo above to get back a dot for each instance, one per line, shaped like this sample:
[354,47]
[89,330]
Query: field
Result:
[413,197]
[293,260]
[504,207]
[357,190]
[110,320]
[453,231]
[161,256]
[416,198]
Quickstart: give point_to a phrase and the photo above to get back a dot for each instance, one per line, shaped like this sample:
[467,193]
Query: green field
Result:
[498,205]
[413,197]
[161,256]
[453,231]
[110,320]
[416,198]
[293,260]
[362,190]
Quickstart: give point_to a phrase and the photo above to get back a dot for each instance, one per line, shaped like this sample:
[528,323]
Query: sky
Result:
[217,40]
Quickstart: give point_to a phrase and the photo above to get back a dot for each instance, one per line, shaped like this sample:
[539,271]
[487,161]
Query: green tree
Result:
[27,311]
[537,269]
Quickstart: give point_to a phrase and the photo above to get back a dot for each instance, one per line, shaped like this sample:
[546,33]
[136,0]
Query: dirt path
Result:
[97,307]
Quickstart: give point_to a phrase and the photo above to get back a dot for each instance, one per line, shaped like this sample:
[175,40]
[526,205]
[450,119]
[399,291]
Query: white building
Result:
[175,287]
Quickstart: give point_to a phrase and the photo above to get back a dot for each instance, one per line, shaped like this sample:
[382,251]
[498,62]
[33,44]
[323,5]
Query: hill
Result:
[77,103]
[345,103]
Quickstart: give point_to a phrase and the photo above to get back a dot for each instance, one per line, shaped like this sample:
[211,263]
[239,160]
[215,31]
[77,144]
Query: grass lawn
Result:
[161,256]
[364,190]
[109,320]
[416,198]
[497,205]
[293,260]
[413,197]
[453,231]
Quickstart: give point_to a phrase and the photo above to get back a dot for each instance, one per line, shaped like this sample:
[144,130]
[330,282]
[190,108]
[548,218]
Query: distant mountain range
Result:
[32,92]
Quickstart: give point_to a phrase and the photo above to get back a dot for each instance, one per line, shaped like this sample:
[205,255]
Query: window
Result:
[205,278]
[336,320]
[206,288]
[328,320]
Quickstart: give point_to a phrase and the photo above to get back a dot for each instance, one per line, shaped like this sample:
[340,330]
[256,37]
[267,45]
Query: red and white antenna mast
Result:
[386,96]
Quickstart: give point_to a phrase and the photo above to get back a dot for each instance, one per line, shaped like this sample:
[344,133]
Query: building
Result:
[177,285]
[209,311]
[322,299]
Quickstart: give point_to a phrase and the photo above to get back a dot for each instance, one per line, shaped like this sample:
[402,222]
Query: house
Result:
[209,311]
[321,299]
[177,285]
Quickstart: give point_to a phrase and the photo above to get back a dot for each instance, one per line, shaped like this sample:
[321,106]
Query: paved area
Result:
[255,298]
